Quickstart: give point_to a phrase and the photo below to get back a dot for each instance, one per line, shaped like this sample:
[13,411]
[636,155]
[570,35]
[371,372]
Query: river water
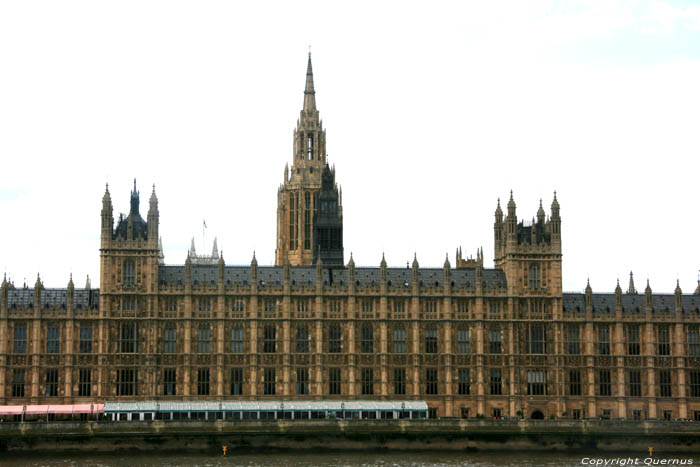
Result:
[364,459]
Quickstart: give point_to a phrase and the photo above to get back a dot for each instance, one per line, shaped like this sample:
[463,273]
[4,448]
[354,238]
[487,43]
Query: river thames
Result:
[365,459]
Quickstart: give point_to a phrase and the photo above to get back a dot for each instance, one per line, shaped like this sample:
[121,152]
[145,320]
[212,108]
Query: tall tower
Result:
[530,255]
[129,256]
[298,196]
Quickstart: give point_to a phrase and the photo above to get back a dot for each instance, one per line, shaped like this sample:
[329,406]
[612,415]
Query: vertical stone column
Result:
[187,322]
[252,344]
[351,316]
[69,350]
[220,331]
[286,309]
[4,343]
[36,349]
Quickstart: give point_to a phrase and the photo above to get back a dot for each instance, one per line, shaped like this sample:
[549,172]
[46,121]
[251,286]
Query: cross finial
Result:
[309,50]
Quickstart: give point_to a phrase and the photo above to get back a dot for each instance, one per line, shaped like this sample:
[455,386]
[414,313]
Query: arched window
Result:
[129,272]
[310,147]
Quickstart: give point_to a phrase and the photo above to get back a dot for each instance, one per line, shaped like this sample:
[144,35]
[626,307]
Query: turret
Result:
[540,214]
[631,290]
[647,295]
[153,219]
[107,219]
[70,293]
[589,293]
[618,294]
[555,219]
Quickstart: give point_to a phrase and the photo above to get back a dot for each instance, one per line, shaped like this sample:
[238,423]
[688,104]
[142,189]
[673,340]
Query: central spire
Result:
[309,93]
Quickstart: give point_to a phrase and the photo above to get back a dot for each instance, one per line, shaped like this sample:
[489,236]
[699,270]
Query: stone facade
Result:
[467,339]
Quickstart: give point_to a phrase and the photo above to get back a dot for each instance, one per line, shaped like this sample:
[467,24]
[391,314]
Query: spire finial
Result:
[309,93]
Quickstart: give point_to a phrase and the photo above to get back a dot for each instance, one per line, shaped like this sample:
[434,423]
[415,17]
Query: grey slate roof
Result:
[661,303]
[306,275]
[54,298]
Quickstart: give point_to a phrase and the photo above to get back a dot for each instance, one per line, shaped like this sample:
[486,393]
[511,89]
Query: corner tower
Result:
[299,224]
[530,255]
[129,256]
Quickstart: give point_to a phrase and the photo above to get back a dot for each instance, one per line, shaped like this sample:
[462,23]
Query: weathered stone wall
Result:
[350,435]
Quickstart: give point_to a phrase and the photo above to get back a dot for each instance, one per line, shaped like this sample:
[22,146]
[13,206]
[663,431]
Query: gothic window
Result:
[495,344]
[236,381]
[128,338]
[307,221]
[18,378]
[51,382]
[664,345]
[238,305]
[204,304]
[85,338]
[270,339]
[302,340]
[367,342]
[270,306]
[603,340]
[203,338]
[695,384]
[237,339]
[399,339]
[604,388]
[334,306]
[536,383]
[170,305]
[430,308]
[536,339]
[334,338]
[170,338]
[203,381]
[53,333]
[310,147]
[129,272]
[431,339]
[693,342]
[302,306]
[367,381]
[495,381]
[84,382]
[462,308]
[573,335]
[399,307]
[534,276]
[635,383]
[169,381]
[302,381]
[665,383]
[128,304]
[269,382]
[292,229]
[463,340]
[431,381]
[633,344]
[575,382]
[334,381]
[463,383]
[20,342]
[367,308]
[494,310]
[127,382]
[400,381]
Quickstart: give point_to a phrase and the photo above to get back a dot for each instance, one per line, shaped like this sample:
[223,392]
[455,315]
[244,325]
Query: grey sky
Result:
[432,110]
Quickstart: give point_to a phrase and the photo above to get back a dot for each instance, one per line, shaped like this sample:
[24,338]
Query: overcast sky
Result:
[433,111]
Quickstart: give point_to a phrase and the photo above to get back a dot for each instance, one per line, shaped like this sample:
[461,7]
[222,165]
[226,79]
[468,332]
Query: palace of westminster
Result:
[469,340]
